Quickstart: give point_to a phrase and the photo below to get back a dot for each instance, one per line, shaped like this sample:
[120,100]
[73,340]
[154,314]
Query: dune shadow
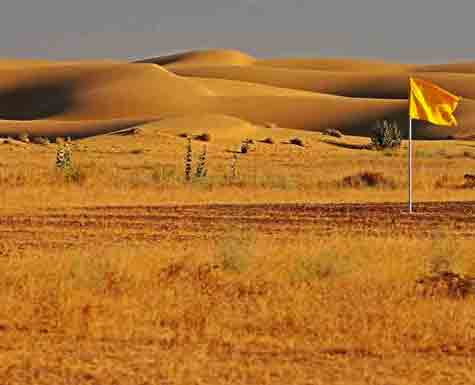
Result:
[38,101]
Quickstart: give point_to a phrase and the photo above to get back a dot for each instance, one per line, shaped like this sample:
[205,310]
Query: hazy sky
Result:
[404,30]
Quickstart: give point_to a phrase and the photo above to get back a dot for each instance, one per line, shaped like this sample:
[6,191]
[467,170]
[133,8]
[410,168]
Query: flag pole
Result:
[410,166]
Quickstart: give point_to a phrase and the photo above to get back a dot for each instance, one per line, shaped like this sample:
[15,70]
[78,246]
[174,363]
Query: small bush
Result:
[469,181]
[368,179]
[297,142]
[332,132]
[183,135]
[386,134]
[244,148]
[205,137]
[137,151]
[268,141]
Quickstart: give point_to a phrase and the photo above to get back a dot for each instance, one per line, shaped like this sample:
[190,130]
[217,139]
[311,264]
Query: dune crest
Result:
[205,57]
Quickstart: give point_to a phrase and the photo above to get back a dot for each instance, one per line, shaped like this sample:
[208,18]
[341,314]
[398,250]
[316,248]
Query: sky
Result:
[399,30]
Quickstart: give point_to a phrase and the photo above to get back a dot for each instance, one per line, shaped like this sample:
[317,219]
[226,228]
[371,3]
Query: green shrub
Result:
[386,134]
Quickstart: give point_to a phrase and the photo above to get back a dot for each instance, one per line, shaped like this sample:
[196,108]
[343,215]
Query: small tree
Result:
[386,134]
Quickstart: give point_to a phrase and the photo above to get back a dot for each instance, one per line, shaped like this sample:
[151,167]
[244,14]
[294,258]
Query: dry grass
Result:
[305,309]
[237,306]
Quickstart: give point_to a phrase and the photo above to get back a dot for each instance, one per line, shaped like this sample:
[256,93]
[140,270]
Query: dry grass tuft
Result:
[446,284]
[332,132]
[205,137]
[368,179]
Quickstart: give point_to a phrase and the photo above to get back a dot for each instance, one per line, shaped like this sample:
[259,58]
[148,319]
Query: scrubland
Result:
[130,275]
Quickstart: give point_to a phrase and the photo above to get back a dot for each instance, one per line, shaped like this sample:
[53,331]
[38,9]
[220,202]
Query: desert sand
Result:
[80,99]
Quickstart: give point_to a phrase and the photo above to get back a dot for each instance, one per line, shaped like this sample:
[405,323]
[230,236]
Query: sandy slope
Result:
[86,98]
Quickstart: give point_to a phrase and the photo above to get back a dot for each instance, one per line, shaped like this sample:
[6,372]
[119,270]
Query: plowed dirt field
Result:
[50,227]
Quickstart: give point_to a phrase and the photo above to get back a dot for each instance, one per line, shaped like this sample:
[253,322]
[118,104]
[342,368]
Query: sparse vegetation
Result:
[268,140]
[234,167]
[368,179]
[201,169]
[188,160]
[164,173]
[64,165]
[244,148]
[205,137]
[297,142]
[332,132]
[339,285]
[386,135]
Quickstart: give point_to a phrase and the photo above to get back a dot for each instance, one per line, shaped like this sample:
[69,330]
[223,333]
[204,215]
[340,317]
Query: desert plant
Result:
[205,137]
[63,157]
[385,134]
[268,141]
[64,164]
[297,142]
[188,161]
[332,132]
[247,145]
[368,179]
[201,170]
[183,135]
[234,170]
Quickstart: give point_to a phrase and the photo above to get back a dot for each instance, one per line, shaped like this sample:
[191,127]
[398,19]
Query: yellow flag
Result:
[432,103]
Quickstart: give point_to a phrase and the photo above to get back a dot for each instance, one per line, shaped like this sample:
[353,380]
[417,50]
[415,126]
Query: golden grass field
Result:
[269,270]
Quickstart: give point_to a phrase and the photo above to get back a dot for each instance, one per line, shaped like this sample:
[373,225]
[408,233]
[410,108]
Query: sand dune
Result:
[224,91]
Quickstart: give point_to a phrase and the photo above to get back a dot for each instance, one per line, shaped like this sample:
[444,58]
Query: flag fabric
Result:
[432,103]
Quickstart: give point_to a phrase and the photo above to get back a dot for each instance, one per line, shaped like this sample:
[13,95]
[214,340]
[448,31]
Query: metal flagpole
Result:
[410,166]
